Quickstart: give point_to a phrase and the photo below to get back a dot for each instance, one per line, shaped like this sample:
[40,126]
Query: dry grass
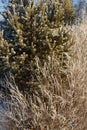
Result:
[57,102]
[13,106]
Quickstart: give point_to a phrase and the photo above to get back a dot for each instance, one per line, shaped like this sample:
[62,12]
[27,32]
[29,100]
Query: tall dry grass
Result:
[13,105]
[58,101]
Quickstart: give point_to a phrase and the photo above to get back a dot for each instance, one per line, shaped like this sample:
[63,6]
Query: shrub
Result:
[37,31]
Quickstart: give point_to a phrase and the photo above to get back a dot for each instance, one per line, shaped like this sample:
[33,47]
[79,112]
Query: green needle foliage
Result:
[36,31]
[4,54]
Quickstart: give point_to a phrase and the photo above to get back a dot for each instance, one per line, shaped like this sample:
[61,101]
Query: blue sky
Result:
[3,4]
[75,1]
[2,7]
